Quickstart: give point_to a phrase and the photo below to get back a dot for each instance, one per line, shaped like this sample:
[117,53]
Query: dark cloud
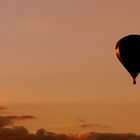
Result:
[109,136]
[21,133]
[9,120]
[2,107]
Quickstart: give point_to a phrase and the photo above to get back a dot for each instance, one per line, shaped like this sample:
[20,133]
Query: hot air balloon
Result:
[128,52]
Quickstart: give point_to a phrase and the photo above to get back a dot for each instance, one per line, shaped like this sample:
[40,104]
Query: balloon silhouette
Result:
[128,52]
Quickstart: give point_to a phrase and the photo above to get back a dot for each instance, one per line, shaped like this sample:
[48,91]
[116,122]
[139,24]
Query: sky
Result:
[58,64]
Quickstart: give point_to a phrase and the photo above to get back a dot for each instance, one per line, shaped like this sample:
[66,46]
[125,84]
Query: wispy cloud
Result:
[87,124]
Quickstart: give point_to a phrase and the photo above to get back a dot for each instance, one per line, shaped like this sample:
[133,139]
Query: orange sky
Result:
[64,51]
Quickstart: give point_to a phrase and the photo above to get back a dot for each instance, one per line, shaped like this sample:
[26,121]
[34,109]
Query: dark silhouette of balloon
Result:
[128,52]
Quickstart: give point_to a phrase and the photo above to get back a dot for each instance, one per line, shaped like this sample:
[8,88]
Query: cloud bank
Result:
[21,133]
[10,132]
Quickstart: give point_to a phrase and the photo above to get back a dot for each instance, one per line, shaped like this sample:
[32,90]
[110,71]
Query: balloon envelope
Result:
[128,52]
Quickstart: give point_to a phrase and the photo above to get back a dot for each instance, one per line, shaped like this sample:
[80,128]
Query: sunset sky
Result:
[58,64]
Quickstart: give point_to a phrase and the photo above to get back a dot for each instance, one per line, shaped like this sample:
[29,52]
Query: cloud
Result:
[9,120]
[21,133]
[81,120]
[2,108]
[23,117]
[108,136]
[85,124]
